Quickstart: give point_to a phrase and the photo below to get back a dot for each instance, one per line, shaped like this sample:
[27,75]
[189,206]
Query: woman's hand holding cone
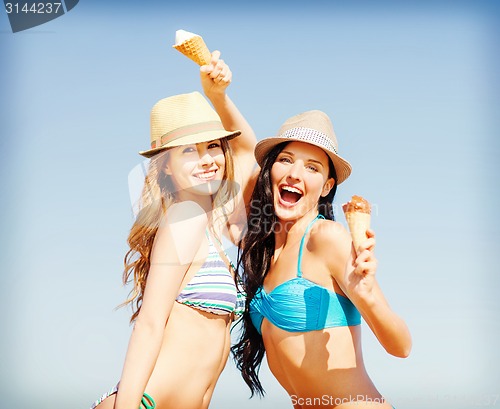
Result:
[360,276]
[215,76]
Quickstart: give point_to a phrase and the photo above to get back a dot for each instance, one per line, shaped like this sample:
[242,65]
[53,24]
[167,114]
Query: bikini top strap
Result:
[218,248]
[299,262]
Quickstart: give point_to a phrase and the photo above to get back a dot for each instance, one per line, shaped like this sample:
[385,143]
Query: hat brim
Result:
[190,139]
[342,167]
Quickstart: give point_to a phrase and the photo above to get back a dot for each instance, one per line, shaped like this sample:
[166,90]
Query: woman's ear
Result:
[327,187]
[167,170]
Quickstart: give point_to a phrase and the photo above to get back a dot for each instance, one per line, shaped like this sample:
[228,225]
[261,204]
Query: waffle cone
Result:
[358,223]
[195,49]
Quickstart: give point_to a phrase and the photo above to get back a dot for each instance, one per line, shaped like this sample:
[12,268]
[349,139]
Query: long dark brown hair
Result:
[254,259]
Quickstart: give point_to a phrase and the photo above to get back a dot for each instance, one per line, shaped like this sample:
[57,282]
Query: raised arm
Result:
[170,259]
[215,78]
[356,277]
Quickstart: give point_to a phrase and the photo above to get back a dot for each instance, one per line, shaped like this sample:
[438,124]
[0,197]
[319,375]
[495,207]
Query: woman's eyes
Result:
[285,159]
[190,149]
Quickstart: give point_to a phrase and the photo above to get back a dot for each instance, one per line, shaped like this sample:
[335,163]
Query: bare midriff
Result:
[321,369]
[194,351]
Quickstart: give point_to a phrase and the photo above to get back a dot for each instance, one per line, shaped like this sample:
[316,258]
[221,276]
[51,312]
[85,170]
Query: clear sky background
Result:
[413,92]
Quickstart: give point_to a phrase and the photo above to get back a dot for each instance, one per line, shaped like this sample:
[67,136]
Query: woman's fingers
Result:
[216,75]
[210,67]
[219,70]
[215,57]
[369,243]
[365,262]
[370,233]
[221,73]
[366,267]
[225,76]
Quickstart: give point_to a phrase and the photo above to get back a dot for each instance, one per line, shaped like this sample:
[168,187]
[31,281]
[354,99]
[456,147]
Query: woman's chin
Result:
[206,188]
[287,212]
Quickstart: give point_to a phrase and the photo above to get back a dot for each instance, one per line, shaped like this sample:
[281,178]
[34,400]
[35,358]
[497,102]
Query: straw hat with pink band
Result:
[312,127]
[182,120]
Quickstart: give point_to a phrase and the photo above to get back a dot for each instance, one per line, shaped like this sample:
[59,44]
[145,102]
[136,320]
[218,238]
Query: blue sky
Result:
[413,94]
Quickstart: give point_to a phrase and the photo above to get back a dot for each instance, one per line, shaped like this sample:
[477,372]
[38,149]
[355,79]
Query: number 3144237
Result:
[34,8]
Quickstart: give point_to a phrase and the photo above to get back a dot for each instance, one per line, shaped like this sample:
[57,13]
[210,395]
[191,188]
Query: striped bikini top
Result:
[212,288]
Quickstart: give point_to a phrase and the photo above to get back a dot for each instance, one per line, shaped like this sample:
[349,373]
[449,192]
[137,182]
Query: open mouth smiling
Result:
[209,175]
[290,195]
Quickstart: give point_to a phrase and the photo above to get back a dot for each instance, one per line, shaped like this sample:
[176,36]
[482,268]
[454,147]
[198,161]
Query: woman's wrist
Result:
[364,300]
[216,97]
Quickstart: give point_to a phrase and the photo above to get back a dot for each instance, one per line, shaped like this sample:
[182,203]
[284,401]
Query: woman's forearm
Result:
[388,327]
[233,119]
[144,347]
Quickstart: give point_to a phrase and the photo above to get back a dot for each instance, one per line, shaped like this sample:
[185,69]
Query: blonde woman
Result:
[184,296]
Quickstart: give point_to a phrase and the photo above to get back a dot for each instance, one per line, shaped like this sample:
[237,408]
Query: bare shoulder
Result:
[327,233]
[184,222]
[332,242]
[180,233]
[188,214]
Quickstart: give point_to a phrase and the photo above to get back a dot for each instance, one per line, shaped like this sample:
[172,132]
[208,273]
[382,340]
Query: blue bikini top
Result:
[300,305]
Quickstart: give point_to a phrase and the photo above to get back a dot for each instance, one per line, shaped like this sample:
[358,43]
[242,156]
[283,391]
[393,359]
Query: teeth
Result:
[291,189]
[206,175]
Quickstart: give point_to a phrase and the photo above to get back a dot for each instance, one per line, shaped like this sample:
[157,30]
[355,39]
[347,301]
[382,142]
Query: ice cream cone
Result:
[193,47]
[358,215]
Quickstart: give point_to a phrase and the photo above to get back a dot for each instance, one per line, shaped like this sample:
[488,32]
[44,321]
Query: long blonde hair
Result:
[157,196]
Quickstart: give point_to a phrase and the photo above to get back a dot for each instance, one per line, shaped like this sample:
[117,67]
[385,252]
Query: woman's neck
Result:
[204,201]
[286,229]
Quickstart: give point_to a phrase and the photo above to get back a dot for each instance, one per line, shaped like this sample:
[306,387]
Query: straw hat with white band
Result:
[312,127]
